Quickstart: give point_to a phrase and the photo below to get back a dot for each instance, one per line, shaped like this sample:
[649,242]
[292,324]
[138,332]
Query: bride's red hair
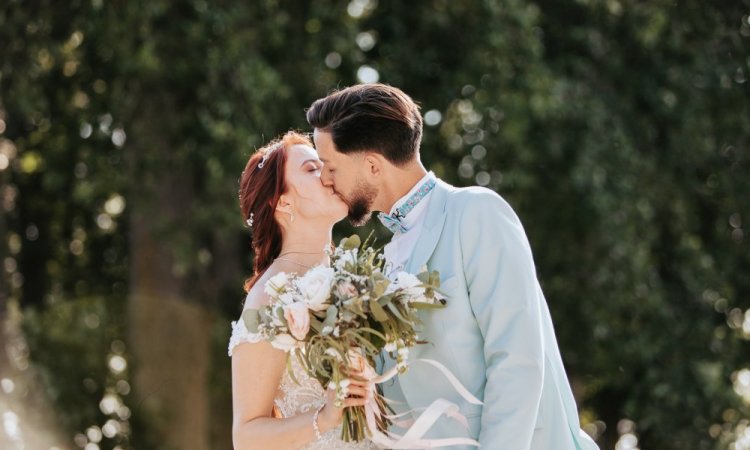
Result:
[260,189]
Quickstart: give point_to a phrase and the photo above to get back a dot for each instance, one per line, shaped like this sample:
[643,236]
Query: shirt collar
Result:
[419,208]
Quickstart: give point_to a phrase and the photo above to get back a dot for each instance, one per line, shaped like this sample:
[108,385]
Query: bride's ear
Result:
[285,205]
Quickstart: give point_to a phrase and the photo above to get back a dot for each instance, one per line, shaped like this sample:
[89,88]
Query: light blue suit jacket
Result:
[495,334]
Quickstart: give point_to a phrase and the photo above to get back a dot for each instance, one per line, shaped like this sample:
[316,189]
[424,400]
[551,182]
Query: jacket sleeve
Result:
[504,297]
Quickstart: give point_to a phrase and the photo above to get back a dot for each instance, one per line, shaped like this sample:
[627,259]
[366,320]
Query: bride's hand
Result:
[359,393]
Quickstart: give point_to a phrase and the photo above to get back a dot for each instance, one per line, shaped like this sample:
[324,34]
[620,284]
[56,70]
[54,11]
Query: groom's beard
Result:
[360,204]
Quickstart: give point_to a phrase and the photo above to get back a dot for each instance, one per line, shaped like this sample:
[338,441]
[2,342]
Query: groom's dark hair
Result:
[374,117]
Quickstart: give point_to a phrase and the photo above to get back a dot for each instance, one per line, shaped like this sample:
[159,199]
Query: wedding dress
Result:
[292,398]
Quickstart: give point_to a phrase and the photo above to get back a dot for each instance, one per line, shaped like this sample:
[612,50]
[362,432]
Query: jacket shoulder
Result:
[475,207]
[474,197]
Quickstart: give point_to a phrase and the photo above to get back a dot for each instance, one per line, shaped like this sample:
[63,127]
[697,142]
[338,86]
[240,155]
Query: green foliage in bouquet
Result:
[337,320]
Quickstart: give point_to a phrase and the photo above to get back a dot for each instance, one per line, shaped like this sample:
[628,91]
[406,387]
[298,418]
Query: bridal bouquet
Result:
[337,320]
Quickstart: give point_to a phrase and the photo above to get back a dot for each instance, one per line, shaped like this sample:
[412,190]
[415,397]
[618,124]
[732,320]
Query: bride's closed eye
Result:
[314,168]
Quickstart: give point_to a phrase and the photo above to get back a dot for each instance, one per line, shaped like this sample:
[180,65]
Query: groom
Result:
[495,333]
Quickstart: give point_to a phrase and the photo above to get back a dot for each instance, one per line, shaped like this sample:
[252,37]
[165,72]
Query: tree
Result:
[616,129]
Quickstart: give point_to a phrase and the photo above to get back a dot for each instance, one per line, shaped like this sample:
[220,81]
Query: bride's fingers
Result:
[356,388]
[358,392]
[355,402]
[354,383]
[359,376]
[361,383]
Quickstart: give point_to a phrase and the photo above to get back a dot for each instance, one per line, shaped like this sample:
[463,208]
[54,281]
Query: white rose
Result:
[286,298]
[406,280]
[275,283]
[409,283]
[316,287]
[284,342]
[347,257]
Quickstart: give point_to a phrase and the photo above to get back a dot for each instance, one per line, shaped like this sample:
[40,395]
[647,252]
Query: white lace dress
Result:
[292,398]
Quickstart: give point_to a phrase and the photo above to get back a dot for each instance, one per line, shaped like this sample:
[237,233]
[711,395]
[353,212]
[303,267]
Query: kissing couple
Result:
[495,333]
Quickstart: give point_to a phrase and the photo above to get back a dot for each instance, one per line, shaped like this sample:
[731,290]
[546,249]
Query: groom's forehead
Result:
[325,154]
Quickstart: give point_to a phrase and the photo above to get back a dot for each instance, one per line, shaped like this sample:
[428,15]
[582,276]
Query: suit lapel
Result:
[433,226]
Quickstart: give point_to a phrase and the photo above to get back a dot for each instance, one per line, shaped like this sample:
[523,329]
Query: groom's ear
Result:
[374,163]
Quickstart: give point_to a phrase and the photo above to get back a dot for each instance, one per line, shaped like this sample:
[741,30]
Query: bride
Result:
[291,215]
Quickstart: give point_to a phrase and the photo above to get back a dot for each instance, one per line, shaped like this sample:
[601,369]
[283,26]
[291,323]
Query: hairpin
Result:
[249,221]
[268,152]
[263,161]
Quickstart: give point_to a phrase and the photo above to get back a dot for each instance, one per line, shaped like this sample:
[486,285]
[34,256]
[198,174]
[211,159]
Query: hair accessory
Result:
[249,221]
[268,152]
[263,161]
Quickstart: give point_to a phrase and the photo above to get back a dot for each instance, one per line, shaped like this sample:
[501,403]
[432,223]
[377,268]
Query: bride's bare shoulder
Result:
[256,297]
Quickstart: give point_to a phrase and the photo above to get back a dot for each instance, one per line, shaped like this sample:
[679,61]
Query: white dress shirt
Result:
[398,251]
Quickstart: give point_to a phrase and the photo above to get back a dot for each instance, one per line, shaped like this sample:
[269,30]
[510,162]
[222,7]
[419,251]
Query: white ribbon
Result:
[413,438]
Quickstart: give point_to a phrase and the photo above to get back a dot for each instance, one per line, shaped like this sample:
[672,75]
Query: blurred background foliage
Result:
[618,129]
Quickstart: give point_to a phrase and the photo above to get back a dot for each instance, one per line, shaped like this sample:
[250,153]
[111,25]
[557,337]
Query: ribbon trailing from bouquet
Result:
[413,438]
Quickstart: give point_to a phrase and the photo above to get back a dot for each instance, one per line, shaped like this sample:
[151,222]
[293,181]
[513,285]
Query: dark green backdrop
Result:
[619,130]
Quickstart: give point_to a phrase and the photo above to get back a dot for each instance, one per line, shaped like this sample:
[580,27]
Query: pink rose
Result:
[298,318]
[346,290]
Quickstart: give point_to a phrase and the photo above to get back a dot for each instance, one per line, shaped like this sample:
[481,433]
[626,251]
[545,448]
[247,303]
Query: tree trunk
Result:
[169,331]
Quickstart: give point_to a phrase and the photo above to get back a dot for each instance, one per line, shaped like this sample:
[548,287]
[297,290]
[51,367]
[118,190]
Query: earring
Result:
[291,216]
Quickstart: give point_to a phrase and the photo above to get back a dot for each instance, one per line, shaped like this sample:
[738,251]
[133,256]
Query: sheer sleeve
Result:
[241,335]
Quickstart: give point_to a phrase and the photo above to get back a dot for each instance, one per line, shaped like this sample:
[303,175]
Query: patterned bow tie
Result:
[394,222]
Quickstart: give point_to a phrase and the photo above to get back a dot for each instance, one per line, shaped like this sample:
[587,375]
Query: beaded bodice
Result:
[292,398]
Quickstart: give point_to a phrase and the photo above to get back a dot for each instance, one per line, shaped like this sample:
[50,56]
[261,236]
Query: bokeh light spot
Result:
[366,41]
[367,74]
[119,137]
[117,364]
[333,60]
[432,117]
[114,205]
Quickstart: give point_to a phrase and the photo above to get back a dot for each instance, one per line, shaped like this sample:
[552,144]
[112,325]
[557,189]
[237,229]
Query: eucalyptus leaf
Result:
[423,305]
[330,321]
[316,324]
[351,242]
[394,309]
[378,312]
[372,331]
[252,319]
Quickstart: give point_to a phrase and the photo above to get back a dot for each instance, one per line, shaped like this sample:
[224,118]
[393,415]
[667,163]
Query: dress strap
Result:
[241,335]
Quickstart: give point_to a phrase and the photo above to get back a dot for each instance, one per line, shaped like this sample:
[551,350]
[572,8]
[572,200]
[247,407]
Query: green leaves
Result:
[330,321]
[351,242]
[378,312]
[252,319]
[423,305]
